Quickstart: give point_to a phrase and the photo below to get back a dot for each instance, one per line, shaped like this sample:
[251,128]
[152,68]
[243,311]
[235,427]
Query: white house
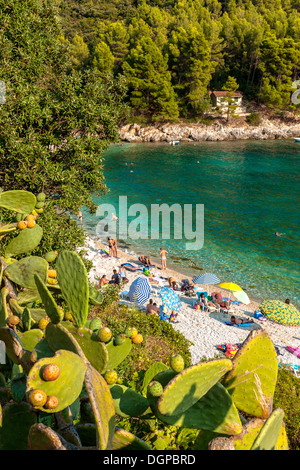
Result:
[219,100]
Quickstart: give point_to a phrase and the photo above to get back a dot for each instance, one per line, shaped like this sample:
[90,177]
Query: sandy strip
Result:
[205,330]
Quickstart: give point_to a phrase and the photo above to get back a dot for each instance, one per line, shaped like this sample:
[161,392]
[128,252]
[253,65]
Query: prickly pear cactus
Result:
[26,241]
[22,272]
[73,281]
[51,307]
[72,372]
[19,201]
[190,385]
[252,380]
[128,403]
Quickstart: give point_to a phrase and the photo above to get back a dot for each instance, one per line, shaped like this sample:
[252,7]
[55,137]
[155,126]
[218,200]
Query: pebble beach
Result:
[205,330]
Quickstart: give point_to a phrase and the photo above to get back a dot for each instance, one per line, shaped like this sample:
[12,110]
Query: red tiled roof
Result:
[224,93]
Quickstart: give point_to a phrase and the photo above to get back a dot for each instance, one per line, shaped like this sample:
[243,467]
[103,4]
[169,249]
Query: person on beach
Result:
[79,217]
[288,302]
[113,250]
[172,283]
[152,308]
[123,273]
[145,260]
[239,321]
[163,254]
[103,281]
[116,278]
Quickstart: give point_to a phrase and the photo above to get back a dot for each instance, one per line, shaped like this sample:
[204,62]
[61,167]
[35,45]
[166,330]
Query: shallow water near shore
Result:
[249,190]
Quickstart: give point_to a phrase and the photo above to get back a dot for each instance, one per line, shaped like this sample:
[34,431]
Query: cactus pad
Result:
[117,354]
[269,434]
[252,381]
[190,385]
[17,419]
[103,407]
[153,370]
[19,201]
[22,272]
[52,310]
[128,402]
[73,281]
[125,440]
[26,241]
[72,372]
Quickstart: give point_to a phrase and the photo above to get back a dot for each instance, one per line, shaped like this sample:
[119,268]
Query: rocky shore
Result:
[218,131]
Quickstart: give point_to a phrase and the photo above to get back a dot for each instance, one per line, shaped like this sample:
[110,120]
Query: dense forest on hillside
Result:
[173,52]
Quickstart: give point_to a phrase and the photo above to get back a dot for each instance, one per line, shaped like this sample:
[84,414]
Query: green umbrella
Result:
[280,312]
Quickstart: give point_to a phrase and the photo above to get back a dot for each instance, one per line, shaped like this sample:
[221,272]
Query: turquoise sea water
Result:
[249,189]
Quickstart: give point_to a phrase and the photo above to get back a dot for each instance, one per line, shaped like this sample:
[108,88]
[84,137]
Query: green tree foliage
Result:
[200,42]
[150,81]
[56,122]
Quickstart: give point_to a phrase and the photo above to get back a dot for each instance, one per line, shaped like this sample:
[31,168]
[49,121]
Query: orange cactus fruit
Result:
[22,224]
[52,273]
[30,217]
[43,323]
[51,403]
[134,332]
[51,372]
[137,339]
[37,398]
[30,223]
[13,320]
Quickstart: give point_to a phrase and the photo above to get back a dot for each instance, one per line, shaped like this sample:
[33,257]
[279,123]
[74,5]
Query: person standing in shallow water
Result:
[163,254]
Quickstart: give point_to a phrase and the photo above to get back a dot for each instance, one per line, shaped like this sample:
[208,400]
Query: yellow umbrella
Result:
[230,286]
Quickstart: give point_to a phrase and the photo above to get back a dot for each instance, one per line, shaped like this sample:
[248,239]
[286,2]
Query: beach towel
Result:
[243,325]
[131,268]
[295,351]
[229,349]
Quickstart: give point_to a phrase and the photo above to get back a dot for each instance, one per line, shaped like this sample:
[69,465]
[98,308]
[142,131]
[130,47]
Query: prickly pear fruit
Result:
[30,223]
[52,273]
[120,339]
[177,363]
[30,217]
[137,339]
[34,212]
[51,372]
[128,332]
[22,224]
[134,332]
[37,398]
[13,320]
[68,316]
[43,323]
[51,256]
[39,205]
[52,281]
[40,210]
[111,376]
[41,197]
[51,403]
[105,334]
[155,388]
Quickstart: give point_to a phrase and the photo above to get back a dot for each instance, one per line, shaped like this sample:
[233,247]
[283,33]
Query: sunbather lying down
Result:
[239,321]
[145,260]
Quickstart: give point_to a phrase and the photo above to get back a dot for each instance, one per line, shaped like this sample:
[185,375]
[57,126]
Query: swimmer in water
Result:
[279,234]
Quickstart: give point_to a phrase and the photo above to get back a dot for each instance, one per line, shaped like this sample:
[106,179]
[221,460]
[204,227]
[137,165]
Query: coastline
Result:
[205,330]
[218,131]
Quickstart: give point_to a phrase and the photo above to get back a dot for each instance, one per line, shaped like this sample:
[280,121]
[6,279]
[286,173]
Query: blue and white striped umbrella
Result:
[206,278]
[139,291]
[170,299]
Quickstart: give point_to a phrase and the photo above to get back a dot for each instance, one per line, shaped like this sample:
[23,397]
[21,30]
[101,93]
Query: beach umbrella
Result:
[139,291]
[241,296]
[206,278]
[280,312]
[170,299]
[230,286]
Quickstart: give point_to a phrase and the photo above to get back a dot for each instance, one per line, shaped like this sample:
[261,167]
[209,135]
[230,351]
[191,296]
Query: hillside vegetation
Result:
[173,52]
